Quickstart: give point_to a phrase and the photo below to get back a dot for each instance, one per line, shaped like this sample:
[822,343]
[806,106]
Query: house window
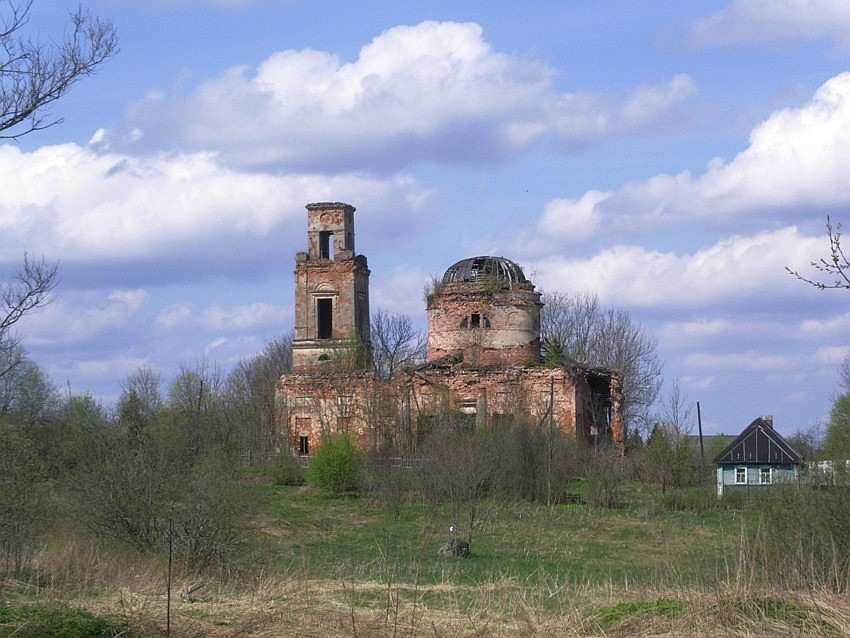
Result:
[765,475]
[325,321]
[740,476]
[303,445]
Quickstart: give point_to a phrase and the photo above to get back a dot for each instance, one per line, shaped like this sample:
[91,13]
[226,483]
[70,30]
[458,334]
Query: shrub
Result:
[801,537]
[205,522]
[387,481]
[336,465]
[287,470]
[26,511]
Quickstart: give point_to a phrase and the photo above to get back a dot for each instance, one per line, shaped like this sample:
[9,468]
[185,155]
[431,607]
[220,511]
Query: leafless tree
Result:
[146,384]
[567,326]
[195,407]
[33,74]
[30,288]
[396,344]
[250,399]
[607,471]
[669,454]
[458,467]
[575,329]
[835,268]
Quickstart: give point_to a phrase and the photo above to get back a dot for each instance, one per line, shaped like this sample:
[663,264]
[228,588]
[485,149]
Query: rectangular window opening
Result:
[765,476]
[476,321]
[325,320]
[303,445]
[326,244]
[740,475]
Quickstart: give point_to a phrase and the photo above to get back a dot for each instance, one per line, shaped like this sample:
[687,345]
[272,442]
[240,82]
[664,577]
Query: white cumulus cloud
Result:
[573,220]
[797,158]
[738,268]
[755,22]
[76,204]
[436,91]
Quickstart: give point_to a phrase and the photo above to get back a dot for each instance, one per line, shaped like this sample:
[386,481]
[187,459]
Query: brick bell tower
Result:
[331,293]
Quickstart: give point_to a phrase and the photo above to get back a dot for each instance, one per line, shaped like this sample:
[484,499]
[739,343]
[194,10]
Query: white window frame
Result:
[769,471]
[737,469]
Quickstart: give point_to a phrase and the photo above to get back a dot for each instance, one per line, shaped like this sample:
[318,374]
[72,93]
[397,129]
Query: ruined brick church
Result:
[483,364]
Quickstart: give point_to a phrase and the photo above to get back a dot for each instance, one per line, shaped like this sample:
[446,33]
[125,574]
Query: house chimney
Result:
[768,418]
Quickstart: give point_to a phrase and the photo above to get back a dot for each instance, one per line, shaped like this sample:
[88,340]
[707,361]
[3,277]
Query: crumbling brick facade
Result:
[331,290]
[487,311]
[483,361]
[581,401]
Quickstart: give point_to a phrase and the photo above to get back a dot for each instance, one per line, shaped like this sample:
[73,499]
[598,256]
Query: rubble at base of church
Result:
[483,362]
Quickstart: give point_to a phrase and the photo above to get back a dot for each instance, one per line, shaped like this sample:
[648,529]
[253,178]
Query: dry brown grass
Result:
[105,580]
[326,609]
[111,579]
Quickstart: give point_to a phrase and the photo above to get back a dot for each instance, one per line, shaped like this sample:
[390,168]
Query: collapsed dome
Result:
[484,269]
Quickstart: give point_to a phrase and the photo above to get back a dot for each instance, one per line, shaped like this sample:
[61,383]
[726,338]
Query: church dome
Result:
[484,269]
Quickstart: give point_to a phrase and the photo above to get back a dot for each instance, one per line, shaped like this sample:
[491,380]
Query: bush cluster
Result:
[336,465]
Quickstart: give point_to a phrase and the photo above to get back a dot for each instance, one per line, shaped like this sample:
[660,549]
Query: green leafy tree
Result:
[196,411]
[836,444]
[25,505]
[70,435]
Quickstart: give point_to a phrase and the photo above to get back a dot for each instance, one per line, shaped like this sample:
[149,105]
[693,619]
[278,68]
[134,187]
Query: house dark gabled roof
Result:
[758,443]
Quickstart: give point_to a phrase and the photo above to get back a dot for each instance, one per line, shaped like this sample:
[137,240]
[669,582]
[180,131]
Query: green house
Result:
[758,456]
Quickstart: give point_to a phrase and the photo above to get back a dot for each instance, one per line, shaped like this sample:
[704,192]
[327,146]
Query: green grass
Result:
[317,565]
[54,621]
[353,540]
[662,608]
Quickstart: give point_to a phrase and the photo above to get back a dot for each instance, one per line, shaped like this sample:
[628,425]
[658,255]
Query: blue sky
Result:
[670,157]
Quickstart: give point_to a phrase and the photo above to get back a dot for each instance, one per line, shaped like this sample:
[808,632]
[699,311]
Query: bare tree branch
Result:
[575,329]
[33,75]
[834,267]
[30,288]
[396,344]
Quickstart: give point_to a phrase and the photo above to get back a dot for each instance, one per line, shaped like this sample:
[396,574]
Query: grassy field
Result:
[316,566]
